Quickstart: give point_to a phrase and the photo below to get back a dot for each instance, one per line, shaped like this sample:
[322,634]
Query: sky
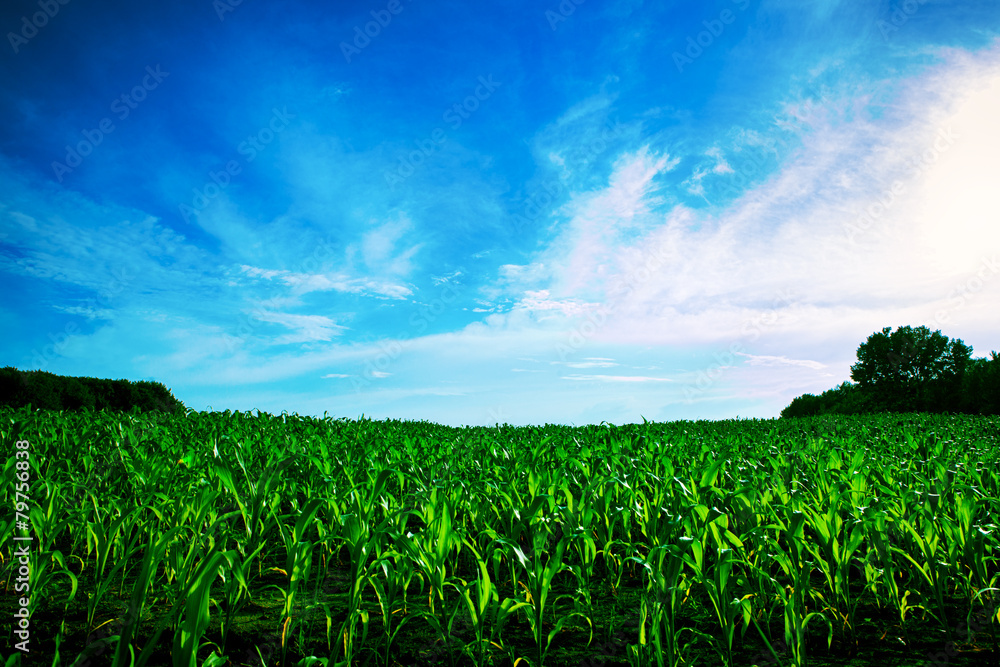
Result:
[476,213]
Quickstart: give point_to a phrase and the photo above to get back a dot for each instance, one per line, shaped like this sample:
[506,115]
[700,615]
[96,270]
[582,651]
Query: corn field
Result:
[215,539]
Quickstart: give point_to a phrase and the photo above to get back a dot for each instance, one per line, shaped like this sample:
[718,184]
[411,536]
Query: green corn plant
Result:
[968,543]
[506,507]
[104,542]
[390,588]
[236,582]
[434,545]
[253,509]
[430,551]
[727,607]
[833,549]
[486,611]
[881,571]
[710,533]
[540,568]
[196,616]
[666,588]
[609,514]
[298,579]
[933,570]
[298,558]
[50,520]
[362,539]
[147,571]
[46,567]
[579,519]
[795,595]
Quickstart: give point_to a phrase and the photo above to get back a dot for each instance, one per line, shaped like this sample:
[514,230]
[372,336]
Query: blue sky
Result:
[522,212]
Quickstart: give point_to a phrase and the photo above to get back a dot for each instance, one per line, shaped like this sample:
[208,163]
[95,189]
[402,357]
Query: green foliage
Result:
[981,386]
[910,370]
[363,542]
[845,399]
[47,391]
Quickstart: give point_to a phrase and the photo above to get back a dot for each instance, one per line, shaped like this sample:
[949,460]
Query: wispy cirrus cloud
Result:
[306,328]
[615,378]
[765,360]
[302,283]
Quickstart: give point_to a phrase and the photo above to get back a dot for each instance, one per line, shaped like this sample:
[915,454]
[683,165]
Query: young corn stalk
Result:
[666,589]
[124,653]
[390,588]
[715,578]
[363,539]
[934,570]
[834,550]
[430,550]
[795,595]
[298,563]
[196,616]
[881,572]
[486,612]
[540,567]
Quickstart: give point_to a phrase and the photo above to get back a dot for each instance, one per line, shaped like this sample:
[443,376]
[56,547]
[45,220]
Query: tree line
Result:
[910,370]
[47,391]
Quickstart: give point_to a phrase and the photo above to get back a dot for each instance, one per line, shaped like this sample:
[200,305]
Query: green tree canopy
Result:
[57,392]
[912,369]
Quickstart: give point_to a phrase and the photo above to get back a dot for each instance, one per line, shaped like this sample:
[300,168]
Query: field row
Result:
[249,539]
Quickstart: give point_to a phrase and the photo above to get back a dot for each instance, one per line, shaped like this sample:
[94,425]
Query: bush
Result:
[910,370]
[48,391]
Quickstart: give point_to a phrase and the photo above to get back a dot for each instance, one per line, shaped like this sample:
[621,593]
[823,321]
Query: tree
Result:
[981,386]
[46,391]
[844,399]
[912,370]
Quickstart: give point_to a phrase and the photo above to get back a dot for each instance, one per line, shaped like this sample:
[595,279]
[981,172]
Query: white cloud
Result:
[615,378]
[88,312]
[307,328]
[782,260]
[378,248]
[588,363]
[304,283]
[765,360]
